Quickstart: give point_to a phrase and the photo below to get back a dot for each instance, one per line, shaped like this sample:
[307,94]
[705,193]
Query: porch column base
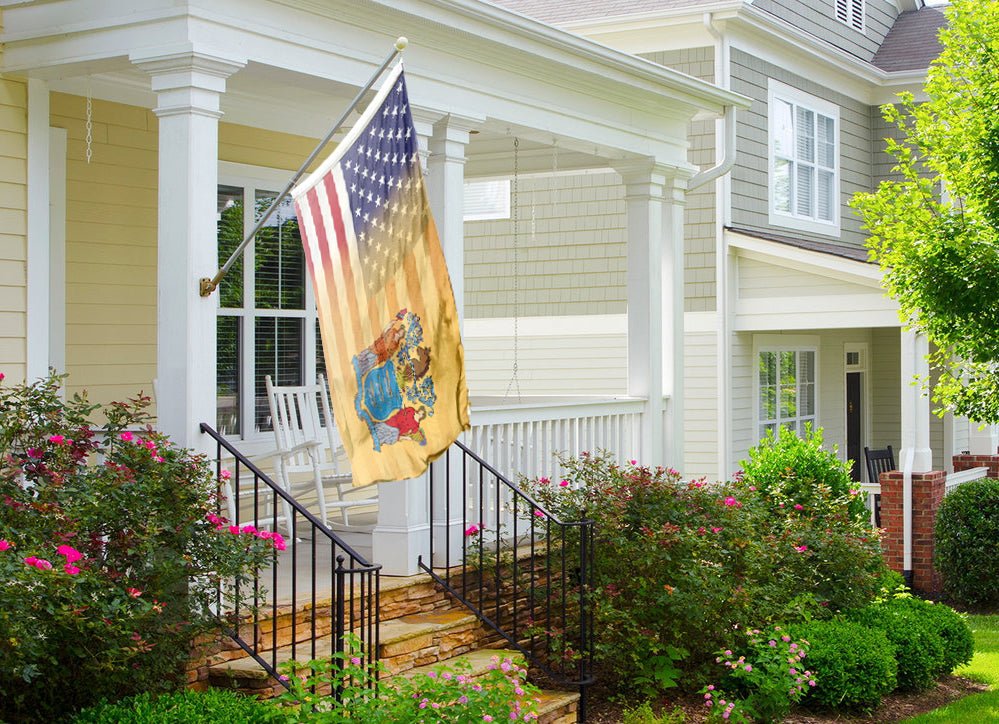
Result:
[402,533]
[928,490]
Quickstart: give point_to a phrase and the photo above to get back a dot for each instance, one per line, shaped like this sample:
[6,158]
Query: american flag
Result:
[383,292]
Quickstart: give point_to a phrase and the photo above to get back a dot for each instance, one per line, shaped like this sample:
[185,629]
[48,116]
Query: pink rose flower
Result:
[4,545]
[801,549]
[799,506]
[70,553]
[472,529]
[126,436]
[563,483]
[133,592]
[225,474]
[56,439]
[71,569]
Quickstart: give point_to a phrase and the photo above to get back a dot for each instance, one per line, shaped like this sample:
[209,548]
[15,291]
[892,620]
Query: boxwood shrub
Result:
[919,647]
[854,665]
[967,543]
[951,627]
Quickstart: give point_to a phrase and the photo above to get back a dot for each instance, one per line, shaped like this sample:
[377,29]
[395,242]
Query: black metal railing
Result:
[315,591]
[520,569]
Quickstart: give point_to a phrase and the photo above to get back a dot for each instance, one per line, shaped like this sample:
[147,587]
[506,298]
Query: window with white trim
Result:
[485,200]
[804,161]
[851,12]
[266,320]
[786,390]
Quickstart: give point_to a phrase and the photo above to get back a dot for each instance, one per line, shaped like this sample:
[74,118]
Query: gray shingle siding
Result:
[881,161]
[750,188]
[700,211]
[818,18]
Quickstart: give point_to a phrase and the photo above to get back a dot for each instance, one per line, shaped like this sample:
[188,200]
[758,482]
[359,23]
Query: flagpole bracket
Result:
[206,286]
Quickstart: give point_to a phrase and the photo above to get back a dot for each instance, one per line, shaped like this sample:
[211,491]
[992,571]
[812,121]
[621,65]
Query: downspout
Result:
[907,465]
[725,138]
[727,162]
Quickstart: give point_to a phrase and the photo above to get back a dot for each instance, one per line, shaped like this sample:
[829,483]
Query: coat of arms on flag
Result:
[386,309]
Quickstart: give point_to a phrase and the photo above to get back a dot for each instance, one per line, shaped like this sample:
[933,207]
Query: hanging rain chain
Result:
[90,124]
[514,380]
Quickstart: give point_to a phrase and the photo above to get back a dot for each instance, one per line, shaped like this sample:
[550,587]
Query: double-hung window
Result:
[804,161]
[786,389]
[266,318]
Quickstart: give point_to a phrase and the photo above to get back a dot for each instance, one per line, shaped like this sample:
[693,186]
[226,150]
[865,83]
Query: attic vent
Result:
[851,12]
[487,200]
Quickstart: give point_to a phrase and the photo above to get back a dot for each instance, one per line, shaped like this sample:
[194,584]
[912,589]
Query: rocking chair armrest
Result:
[307,446]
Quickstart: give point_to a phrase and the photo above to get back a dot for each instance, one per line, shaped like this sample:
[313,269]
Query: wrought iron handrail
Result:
[522,571]
[353,601]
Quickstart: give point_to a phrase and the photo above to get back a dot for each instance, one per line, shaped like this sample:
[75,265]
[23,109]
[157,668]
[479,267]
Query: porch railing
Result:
[522,439]
[520,569]
[317,572]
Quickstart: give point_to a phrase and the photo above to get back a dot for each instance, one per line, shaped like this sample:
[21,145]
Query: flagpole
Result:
[206,285]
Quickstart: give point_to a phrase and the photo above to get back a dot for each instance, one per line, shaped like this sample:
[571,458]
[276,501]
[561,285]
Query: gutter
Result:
[728,159]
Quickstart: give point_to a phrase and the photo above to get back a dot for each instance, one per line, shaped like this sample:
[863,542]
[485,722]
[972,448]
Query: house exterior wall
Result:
[819,19]
[571,249]
[882,162]
[886,388]
[750,188]
[561,357]
[13,228]
[110,247]
[111,221]
[760,280]
[700,423]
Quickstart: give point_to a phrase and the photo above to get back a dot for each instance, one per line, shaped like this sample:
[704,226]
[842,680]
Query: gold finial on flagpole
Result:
[401,42]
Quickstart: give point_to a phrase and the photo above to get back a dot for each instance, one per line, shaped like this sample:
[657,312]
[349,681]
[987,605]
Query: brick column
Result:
[966,462]
[927,493]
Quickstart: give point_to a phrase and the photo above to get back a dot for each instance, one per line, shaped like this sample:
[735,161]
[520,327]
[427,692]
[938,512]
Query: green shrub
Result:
[967,543]
[680,565]
[919,648]
[854,665]
[214,706]
[788,470]
[953,630]
[110,553]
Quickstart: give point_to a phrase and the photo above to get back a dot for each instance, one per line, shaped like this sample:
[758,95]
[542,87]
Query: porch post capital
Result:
[648,178]
[185,80]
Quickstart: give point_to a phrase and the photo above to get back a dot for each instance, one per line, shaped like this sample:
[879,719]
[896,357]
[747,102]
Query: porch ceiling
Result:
[305,59]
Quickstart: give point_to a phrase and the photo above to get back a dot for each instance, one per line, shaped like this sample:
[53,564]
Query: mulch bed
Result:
[895,707]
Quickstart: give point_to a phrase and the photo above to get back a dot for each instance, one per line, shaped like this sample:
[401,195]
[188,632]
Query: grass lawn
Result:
[984,668]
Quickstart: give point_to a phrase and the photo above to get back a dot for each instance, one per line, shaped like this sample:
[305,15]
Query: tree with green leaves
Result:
[935,226]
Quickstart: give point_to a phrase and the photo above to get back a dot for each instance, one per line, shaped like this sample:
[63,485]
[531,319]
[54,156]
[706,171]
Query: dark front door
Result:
[853,432]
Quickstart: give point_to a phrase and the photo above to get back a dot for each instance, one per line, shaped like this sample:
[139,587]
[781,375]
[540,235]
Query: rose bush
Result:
[112,553]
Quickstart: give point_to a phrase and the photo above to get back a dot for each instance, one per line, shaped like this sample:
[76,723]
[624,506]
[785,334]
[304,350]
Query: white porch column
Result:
[982,440]
[915,454]
[447,195]
[402,533]
[188,86]
[655,195]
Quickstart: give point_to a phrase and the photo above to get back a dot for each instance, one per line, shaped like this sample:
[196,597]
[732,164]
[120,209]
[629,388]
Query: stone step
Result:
[558,707]
[405,643]
[480,661]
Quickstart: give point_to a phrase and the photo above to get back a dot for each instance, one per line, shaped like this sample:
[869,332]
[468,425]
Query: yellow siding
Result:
[111,216]
[110,247]
[256,147]
[700,413]
[13,222]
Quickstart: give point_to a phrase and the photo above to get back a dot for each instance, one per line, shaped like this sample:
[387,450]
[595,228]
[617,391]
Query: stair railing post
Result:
[338,624]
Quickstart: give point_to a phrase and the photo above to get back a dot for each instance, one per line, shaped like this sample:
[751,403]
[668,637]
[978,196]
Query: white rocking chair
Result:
[306,446]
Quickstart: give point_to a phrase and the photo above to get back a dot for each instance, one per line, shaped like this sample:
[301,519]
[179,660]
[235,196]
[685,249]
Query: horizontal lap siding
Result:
[111,230]
[759,280]
[886,389]
[13,223]
[700,415]
[750,190]
[818,18]
[551,365]
[111,212]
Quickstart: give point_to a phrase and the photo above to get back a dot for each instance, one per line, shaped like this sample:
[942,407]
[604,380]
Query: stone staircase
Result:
[421,628]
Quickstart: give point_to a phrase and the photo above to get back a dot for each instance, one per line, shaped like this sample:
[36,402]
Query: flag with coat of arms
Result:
[386,308]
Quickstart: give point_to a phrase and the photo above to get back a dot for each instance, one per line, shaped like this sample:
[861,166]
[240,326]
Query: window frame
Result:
[779,344]
[777,91]
[253,179]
